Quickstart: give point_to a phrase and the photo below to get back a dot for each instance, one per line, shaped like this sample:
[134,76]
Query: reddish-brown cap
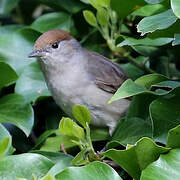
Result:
[50,37]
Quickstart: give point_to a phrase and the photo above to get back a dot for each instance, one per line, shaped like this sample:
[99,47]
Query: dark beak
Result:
[36,53]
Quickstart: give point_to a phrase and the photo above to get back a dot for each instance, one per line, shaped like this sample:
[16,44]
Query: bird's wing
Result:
[106,74]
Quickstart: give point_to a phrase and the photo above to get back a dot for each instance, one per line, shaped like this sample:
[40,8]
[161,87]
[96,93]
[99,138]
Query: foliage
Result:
[143,37]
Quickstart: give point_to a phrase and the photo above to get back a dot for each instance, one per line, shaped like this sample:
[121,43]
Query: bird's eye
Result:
[55,45]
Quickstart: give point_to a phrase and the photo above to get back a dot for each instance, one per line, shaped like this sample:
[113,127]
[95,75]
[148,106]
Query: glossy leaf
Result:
[165,115]
[173,138]
[145,41]
[82,114]
[13,109]
[175,5]
[11,45]
[24,165]
[154,1]
[156,22]
[150,79]
[61,161]
[149,10]
[90,18]
[55,20]
[7,75]
[138,157]
[127,89]
[176,40]
[31,84]
[9,29]
[94,170]
[166,167]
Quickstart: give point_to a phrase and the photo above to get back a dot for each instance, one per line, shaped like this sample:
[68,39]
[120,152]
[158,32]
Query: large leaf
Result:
[159,21]
[24,165]
[95,170]
[166,167]
[124,8]
[165,115]
[61,161]
[14,109]
[175,5]
[7,75]
[7,5]
[31,84]
[9,29]
[140,86]
[145,41]
[173,138]
[55,20]
[137,157]
[149,10]
[14,49]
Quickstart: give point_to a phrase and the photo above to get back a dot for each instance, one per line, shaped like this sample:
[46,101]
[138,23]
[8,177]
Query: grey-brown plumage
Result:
[75,75]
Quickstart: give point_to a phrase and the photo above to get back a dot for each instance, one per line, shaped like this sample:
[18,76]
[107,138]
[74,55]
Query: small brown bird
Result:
[75,75]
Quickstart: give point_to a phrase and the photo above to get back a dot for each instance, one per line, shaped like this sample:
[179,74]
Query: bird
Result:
[75,75]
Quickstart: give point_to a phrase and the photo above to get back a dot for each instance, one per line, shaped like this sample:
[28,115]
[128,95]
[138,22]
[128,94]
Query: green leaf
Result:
[100,3]
[131,70]
[48,177]
[173,137]
[5,145]
[94,170]
[176,40]
[90,18]
[82,114]
[9,29]
[24,165]
[154,1]
[175,5]
[150,79]
[7,5]
[137,123]
[61,161]
[166,167]
[13,109]
[159,21]
[136,158]
[55,21]
[102,17]
[71,6]
[165,115]
[145,41]
[43,137]
[124,8]
[69,128]
[5,134]
[31,84]
[127,89]
[11,45]
[80,159]
[7,75]
[99,133]
[149,10]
